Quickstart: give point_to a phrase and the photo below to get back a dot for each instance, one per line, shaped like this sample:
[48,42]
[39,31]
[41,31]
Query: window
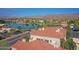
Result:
[50,41]
[38,39]
[41,39]
[47,41]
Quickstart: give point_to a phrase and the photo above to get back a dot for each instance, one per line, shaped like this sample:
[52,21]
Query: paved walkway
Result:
[11,40]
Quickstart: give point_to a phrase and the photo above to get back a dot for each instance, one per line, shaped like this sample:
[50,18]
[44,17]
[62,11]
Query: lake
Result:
[21,26]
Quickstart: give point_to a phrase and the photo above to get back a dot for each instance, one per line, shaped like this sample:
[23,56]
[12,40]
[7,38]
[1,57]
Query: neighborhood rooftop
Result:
[34,45]
[56,32]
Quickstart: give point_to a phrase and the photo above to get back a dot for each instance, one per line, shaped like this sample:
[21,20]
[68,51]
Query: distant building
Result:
[52,35]
[74,27]
[2,25]
[74,34]
[64,24]
[76,40]
[4,28]
[34,45]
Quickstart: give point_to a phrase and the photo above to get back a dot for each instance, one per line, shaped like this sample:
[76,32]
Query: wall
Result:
[76,40]
[53,41]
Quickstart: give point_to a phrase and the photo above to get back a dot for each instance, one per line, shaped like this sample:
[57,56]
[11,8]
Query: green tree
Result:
[69,44]
[0,38]
[27,37]
[62,41]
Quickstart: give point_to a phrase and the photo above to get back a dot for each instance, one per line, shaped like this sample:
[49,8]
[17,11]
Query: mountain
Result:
[52,16]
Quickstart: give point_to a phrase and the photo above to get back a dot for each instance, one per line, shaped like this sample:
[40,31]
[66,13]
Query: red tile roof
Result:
[50,32]
[34,45]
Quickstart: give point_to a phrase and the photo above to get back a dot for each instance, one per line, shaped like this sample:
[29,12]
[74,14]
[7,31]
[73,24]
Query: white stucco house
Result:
[76,40]
[52,35]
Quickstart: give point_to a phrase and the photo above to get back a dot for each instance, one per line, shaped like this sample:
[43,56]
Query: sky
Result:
[24,12]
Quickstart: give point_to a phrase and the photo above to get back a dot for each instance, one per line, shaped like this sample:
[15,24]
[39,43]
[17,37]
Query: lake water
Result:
[21,26]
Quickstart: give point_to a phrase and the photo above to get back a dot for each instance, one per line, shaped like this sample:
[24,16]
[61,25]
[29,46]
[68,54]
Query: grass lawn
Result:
[4,43]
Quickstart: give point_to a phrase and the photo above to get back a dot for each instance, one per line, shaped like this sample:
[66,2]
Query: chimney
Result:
[24,40]
[58,30]
[43,28]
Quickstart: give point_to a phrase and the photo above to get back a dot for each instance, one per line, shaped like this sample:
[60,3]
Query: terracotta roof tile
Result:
[50,32]
[34,45]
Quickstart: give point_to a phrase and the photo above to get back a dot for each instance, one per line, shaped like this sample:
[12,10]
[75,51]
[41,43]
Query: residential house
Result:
[2,25]
[74,34]
[52,35]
